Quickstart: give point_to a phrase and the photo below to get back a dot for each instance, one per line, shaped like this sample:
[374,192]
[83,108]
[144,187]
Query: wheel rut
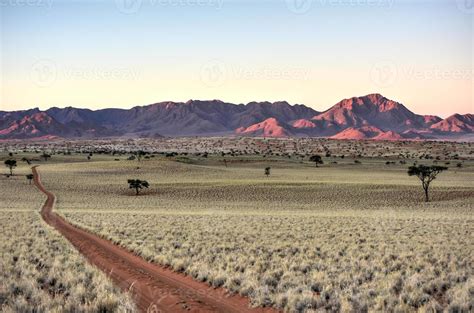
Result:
[154,288]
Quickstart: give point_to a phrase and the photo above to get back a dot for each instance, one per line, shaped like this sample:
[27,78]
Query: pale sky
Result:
[123,53]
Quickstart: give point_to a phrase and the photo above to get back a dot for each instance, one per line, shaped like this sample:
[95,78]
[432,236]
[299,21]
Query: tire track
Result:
[153,287]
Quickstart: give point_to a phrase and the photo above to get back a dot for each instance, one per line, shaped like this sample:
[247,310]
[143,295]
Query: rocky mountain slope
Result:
[368,117]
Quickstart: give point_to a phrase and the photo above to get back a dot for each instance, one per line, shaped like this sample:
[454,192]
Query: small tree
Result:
[426,174]
[140,154]
[317,159]
[29,177]
[267,171]
[46,156]
[138,185]
[28,161]
[11,164]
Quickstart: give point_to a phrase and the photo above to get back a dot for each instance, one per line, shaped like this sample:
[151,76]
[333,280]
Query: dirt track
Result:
[154,288]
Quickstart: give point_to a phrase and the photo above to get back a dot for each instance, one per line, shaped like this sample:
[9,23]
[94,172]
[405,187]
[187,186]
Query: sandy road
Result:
[154,288]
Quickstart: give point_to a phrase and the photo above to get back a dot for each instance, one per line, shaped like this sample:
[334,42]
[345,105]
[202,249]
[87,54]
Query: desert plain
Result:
[353,234]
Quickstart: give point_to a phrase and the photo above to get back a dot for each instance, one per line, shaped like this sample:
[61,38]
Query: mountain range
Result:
[368,117]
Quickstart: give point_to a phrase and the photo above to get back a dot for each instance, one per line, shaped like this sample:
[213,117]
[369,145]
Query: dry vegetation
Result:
[39,269]
[346,236]
[300,262]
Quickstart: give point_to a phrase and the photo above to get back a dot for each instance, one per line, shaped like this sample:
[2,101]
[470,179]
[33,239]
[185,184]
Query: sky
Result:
[123,53]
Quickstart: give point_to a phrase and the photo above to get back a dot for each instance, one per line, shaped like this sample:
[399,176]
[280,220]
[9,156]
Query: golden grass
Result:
[335,238]
[40,270]
[343,237]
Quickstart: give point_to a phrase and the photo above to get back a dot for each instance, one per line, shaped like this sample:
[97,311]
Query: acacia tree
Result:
[426,174]
[267,171]
[317,159]
[28,161]
[138,185]
[11,164]
[29,177]
[140,154]
[46,156]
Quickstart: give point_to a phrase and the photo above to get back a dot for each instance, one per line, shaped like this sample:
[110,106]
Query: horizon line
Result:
[226,102]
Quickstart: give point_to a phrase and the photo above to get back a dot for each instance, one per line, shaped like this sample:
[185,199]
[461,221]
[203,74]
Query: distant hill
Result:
[456,123]
[270,127]
[368,117]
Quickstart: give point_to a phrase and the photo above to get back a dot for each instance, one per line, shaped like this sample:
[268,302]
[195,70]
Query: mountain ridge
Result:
[367,117]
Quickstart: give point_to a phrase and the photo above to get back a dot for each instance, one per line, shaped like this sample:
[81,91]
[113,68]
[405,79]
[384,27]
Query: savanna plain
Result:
[39,270]
[352,234]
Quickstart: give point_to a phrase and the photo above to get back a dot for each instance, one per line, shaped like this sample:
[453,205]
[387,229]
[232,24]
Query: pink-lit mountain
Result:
[368,117]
